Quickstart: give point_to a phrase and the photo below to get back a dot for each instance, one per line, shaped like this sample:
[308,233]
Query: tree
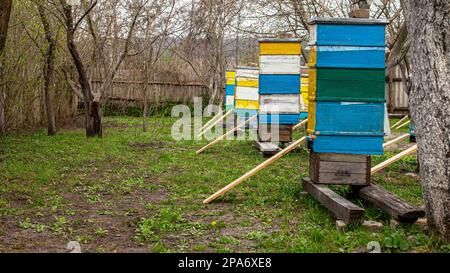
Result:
[428,24]
[5,13]
[49,69]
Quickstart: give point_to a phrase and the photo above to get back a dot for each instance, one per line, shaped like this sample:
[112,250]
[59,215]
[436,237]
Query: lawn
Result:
[142,192]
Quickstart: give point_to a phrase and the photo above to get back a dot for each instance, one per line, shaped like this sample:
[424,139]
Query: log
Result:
[394,159]
[214,123]
[392,142]
[300,124]
[341,208]
[255,170]
[226,134]
[400,121]
[403,125]
[398,208]
[210,121]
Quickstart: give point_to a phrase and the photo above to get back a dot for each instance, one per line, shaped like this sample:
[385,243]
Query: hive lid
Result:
[275,40]
[346,21]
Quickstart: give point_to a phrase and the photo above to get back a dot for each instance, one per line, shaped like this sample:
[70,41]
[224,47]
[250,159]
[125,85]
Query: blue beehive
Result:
[351,125]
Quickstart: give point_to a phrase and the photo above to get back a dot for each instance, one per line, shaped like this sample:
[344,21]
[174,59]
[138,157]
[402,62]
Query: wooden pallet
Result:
[267,148]
[341,208]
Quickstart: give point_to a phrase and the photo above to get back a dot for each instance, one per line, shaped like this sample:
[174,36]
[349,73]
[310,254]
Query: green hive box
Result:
[335,84]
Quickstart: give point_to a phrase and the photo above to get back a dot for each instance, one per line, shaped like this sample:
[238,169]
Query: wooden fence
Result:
[157,92]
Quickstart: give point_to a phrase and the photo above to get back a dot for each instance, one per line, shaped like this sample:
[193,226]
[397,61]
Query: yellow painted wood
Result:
[311,116]
[247,104]
[312,83]
[280,49]
[304,80]
[304,88]
[247,82]
[231,77]
[305,100]
[312,57]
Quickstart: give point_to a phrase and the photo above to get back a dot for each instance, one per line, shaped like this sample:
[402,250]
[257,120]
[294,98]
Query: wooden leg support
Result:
[342,208]
[390,203]
[267,148]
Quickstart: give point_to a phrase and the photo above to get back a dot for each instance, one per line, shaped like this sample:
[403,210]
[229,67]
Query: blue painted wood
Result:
[230,90]
[350,57]
[350,35]
[349,118]
[279,84]
[244,112]
[285,119]
[303,115]
[349,145]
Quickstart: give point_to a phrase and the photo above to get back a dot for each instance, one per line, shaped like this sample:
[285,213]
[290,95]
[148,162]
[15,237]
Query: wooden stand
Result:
[267,148]
[390,203]
[354,170]
[341,208]
[275,133]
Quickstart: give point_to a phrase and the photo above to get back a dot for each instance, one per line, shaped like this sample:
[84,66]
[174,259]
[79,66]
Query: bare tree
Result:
[49,69]
[428,24]
[5,13]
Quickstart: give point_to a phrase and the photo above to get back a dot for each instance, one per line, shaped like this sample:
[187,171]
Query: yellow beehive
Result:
[231,77]
[284,48]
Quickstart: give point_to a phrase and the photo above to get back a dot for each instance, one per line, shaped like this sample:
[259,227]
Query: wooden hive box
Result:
[358,145]
[336,84]
[340,169]
[274,133]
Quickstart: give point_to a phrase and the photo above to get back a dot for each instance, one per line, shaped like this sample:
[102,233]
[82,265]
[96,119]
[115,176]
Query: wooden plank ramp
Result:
[341,208]
[398,208]
[267,148]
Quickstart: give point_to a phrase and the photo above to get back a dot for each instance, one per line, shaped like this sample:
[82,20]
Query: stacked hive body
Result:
[346,98]
[246,95]
[230,89]
[346,85]
[304,94]
[279,79]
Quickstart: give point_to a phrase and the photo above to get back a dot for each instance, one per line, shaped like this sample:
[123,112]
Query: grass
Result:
[133,191]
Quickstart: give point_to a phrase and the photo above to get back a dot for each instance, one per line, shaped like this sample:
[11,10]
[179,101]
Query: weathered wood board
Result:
[341,208]
[279,104]
[267,148]
[340,169]
[274,133]
[390,203]
[279,64]
[247,72]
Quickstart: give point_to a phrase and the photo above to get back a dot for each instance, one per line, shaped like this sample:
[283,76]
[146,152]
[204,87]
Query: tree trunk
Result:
[92,108]
[49,72]
[5,13]
[428,23]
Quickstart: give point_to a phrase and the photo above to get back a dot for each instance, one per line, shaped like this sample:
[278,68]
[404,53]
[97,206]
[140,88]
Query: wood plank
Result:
[280,48]
[247,72]
[398,208]
[255,170]
[396,140]
[403,124]
[394,159]
[330,167]
[342,157]
[247,93]
[267,148]
[301,124]
[225,135]
[400,121]
[341,208]
[215,122]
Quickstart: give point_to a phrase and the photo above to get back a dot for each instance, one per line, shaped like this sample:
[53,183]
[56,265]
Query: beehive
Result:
[279,85]
[346,85]
[230,89]
[247,95]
